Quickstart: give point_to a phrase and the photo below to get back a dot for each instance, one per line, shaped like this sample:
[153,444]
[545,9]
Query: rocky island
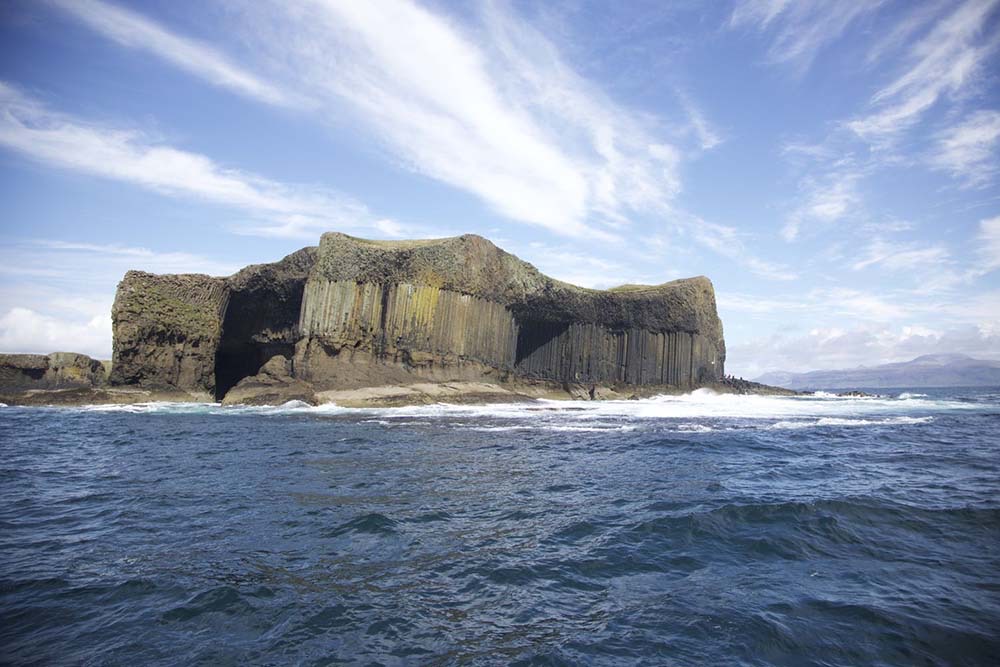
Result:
[362,322]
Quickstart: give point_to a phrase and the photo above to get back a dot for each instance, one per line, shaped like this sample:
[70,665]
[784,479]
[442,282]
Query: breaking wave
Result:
[701,411]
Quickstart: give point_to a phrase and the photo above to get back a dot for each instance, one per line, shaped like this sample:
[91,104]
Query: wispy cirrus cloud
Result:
[824,200]
[988,253]
[896,256]
[968,150]
[799,28]
[134,31]
[30,128]
[945,61]
[526,134]
[727,241]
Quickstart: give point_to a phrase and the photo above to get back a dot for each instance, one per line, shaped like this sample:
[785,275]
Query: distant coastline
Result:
[938,370]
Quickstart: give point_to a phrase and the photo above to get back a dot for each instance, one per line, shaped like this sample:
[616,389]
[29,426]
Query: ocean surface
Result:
[692,530]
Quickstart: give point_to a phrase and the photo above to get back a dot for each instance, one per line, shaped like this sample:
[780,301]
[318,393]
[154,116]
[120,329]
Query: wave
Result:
[697,412]
[833,421]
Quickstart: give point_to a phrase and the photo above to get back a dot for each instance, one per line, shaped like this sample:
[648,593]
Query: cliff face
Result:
[462,301]
[355,313]
[167,330]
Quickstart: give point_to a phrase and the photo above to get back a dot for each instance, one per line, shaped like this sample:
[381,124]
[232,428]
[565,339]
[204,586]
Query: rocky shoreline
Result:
[34,380]
[372,323]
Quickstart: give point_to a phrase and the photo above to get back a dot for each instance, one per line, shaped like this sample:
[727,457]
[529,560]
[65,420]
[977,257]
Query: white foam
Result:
[907,395]
[696,412]
[835,421]
[152,407]
[695,428]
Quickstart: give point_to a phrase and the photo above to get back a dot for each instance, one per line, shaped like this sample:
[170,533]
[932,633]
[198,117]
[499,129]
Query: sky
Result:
[833,167]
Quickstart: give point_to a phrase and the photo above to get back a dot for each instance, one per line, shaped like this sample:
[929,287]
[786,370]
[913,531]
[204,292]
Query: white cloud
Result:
[726,241]
[27,127]
[828,200]
[708,137]
[497,112]
[134,31]
[905,27]
[945,61]
[902,256]
[56,295]
[858,305]
[27,331]
[585,270]
[968,149]
[82,260]
[837,348]
[801,27]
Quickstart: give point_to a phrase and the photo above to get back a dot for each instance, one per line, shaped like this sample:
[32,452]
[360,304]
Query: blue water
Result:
[697,530]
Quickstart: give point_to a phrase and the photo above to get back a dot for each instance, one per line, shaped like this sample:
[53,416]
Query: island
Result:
[366,322]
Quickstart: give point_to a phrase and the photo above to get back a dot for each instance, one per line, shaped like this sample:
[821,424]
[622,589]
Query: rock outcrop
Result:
[167,331]
[202,335]
[59,370]
[353,320]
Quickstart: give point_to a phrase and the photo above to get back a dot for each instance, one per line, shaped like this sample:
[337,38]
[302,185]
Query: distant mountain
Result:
[930,370]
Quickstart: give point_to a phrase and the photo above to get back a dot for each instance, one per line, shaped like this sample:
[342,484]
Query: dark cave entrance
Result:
[538,352]
[255,328]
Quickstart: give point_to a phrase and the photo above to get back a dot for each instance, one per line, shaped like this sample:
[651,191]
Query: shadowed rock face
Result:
[354,313]
[262,317]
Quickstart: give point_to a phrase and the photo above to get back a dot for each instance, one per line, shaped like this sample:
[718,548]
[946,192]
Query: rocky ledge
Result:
[355,321]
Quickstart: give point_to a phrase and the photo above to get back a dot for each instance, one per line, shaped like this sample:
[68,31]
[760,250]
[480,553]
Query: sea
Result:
[700,529]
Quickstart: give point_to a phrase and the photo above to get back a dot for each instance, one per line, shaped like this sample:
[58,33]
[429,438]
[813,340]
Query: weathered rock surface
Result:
[201,334]
[463,309]
[59,370]
[272,385]
[167,331]
[457,314]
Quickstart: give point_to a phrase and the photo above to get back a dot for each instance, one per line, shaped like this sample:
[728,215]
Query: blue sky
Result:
[831,166]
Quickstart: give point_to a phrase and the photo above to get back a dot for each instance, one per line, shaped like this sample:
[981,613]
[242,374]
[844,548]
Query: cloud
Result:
[586,270]
[56,295]
[26,331]
[904,28]
[825,201]
[708,137]
[902,256]
[136,32]
[989,246]
[836,348]
[945,61]
[29,128]
[493,110]
[84,261]
[968,150]
[801,28]
[726,241]
[497,113]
